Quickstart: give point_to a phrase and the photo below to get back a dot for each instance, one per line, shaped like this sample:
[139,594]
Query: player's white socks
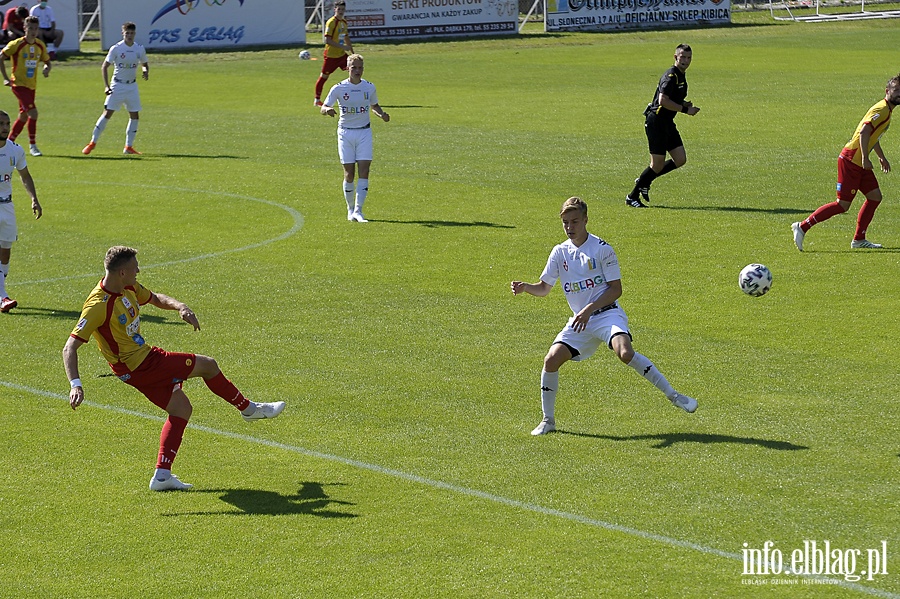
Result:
[98,128]
[349,195]
[131,132]
[549,386]
[4,270]
[646,369]
[362,189]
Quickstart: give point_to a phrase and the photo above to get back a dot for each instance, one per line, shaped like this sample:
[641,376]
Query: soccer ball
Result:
[755,280]
[304,55]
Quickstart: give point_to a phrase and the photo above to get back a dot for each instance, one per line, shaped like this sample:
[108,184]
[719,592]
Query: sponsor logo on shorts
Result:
[124,377]
[188,362]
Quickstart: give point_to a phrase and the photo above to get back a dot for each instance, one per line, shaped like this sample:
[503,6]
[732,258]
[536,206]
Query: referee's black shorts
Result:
[662,134]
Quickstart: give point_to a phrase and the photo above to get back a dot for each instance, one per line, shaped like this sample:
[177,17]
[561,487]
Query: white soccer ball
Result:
[755,280]
[304,55]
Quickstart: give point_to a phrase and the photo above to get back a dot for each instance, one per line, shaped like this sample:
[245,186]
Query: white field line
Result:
[437,484]
[295,215]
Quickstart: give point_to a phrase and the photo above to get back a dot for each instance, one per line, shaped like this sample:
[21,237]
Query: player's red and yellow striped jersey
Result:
[336,29]
[26,59]
[879,116]
[115,322]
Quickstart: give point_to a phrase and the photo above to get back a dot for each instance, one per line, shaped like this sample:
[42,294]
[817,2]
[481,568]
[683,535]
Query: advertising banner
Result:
[403,19]
[163,24]
[600,15]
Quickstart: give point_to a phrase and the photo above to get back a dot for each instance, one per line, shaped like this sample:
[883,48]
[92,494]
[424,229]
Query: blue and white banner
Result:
[403,19]
[602,15]
[166,24]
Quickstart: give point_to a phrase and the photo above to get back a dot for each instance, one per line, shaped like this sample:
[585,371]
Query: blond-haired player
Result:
[356,98]
[588,269]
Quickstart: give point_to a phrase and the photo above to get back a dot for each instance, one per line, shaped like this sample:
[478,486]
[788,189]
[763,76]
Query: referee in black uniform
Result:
[662,135]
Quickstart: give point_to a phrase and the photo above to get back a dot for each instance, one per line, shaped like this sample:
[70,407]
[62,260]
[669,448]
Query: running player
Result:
[357,98]
[855,172]
[112,315]
[12,158]
[126,56]
[588,269]
[337,47]
[25,53]
[669,99]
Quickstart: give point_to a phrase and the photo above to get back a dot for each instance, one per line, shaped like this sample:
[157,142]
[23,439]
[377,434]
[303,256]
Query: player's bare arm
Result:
[164,302]
[688,107]
[70,361]
[104,70]
[613,293]
[3,72]
[384,116]
[864,135]
[145,71]
[539,289]
[882,159]
[28,184]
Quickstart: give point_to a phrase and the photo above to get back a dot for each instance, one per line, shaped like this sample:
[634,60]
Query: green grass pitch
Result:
[403,464]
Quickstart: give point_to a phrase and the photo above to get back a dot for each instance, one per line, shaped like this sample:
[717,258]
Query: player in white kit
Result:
[588,269]
[12,158]
[357,98]
[126,56]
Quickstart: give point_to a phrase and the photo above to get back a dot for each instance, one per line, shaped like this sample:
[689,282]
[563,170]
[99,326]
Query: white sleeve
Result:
[331,98]
[609,264]
[551,271]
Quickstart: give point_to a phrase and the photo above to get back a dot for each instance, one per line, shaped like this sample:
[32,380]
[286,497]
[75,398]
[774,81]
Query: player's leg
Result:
[620,343]
[131,132]
[558,354]
[20,121]
[6,304]
[849,179]
[870,189]
[32,130]
[212,375]
[349,192]
[179,409]
[362,189]
[329,65]
[99,128]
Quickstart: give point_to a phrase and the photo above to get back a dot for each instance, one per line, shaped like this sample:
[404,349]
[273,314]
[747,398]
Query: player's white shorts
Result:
[8,230]
[600,328]
[124,94]
[354,144]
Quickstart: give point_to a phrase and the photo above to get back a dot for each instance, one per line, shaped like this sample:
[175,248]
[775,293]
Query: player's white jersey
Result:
[355,102]
[583,271]
[126,60]
[12,158]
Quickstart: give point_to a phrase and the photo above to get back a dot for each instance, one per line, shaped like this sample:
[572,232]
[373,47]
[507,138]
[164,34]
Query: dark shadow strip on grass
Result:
[670,439]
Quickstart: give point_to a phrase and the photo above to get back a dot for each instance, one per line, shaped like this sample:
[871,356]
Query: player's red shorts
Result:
[159,375]
[330,65]
[25,95]
[853,178]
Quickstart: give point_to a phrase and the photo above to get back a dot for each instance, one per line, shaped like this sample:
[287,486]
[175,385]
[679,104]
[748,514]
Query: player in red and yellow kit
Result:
[25,54]
[111,315]
[337,47]
[855,172]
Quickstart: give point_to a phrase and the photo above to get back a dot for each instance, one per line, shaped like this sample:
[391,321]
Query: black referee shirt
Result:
[674,85]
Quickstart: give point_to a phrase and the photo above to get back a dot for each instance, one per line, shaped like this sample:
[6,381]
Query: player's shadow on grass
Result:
[310,500]
[152,156]
[670,439]
[444,223]
[72,315]
[803,212]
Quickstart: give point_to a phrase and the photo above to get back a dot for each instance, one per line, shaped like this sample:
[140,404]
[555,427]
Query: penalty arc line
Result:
[437,484]
[297,217]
